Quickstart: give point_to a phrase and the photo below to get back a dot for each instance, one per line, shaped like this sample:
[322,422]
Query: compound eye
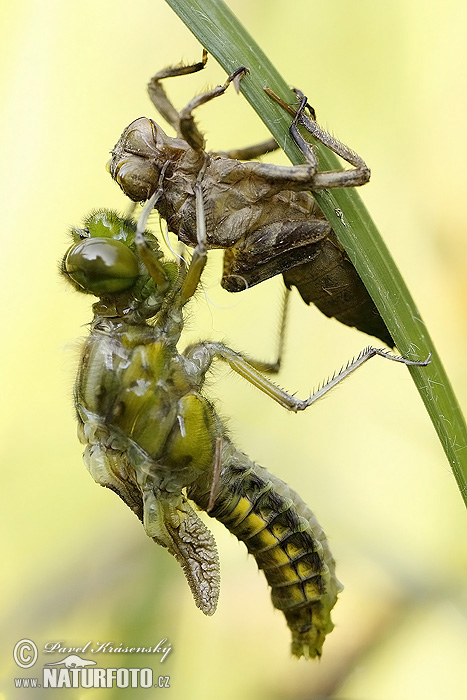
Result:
[101,266]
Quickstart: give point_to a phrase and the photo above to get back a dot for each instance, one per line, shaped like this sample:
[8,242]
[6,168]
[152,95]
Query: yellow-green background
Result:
[390,79]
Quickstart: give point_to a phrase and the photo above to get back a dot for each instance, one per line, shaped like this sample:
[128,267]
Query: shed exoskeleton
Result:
[153,437]
[262,215]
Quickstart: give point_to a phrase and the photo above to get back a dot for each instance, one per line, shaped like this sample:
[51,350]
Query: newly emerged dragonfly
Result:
[263,215]
[154,438]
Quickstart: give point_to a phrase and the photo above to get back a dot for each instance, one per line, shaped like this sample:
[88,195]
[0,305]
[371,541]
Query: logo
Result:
[25,653]
[76,671]
[73,661]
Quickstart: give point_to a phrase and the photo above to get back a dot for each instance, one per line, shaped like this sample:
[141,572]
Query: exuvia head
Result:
[139,155]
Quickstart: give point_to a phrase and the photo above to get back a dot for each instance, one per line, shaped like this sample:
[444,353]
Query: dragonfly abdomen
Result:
[281,532]
[331,282]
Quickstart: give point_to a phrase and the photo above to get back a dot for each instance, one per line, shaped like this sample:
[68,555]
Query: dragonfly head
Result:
[140,154]
[103,261]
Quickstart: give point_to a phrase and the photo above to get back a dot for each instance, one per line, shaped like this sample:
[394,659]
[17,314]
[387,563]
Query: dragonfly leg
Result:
[183,121]
[148,256]
[327,179]
[249,152]
[204,353]
[274,367]
[188,129]
[159,97]
[198,261]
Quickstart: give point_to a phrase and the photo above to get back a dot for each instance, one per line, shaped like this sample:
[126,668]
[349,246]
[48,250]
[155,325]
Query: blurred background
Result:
[390,79]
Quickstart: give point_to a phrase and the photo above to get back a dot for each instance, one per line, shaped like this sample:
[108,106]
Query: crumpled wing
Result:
[168,519]
[176,526]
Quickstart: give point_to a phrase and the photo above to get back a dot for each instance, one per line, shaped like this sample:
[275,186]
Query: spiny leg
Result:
[332,178]
[206,352]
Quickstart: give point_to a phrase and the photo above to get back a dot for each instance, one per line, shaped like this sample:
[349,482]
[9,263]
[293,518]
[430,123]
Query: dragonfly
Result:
[152,436]
[263,216]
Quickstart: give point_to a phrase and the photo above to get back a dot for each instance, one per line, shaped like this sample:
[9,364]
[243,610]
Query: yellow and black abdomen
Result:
[282,534]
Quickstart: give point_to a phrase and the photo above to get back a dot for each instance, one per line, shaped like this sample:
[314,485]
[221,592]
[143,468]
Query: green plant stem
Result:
[219,31]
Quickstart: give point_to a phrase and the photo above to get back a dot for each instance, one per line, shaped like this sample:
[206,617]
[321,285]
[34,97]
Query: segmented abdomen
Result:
[331,282]
[289,545]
